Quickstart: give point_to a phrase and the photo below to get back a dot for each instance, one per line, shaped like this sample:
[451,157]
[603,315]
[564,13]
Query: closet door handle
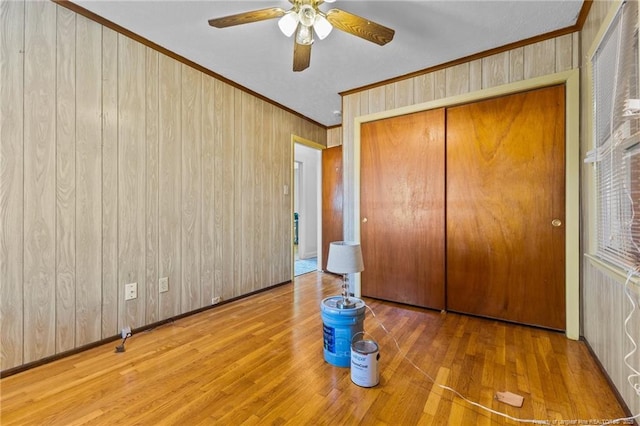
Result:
[364,220]
[556,222]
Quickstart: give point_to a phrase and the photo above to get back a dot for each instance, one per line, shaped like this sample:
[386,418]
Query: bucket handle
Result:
[359,332]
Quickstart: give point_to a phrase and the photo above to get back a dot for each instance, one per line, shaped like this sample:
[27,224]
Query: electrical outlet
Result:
[163,284]
[215,300]
[130,291]
[126,332]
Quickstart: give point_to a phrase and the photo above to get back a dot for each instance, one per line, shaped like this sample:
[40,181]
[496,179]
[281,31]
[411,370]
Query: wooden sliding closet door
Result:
[506,207]
[402,208]
[332,199]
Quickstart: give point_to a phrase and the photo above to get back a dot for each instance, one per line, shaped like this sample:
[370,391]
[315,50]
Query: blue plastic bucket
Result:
[339,325]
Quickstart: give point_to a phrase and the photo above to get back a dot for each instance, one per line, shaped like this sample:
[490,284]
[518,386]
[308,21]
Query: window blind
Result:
[616,133]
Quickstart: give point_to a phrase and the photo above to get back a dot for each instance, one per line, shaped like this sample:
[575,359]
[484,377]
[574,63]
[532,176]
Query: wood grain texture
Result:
[271,189]
[228,192]
[109,238]
[170,183]
[402,199]
[209,142]
[238,158]
[505,185]
[606,307]
[277,194]
[88,182]
[152,186]
[332,200]
[369,99]
[282,202]
[275,191]
[131,179]
[247,193]
[423,88]
[260,206]
[65,151]
[564,53]
[403,93]
[218,189]
[39,180]
[334,137]
[375,100]
[350,110]
[259,362]
[106,185]
[439,84]
[457,79]
[516,64]
[284,209]
[496,69]
[389,97]
[11,182]
[540,58]
[191,213]
[475,75]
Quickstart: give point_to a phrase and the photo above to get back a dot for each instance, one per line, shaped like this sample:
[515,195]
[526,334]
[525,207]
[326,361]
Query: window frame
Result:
[615,219]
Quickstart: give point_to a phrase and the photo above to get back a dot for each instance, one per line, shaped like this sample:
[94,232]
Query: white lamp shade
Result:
[322,27]
[288,23]
[345,257]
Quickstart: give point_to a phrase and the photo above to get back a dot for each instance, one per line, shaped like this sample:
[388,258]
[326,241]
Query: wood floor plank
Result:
[259,360]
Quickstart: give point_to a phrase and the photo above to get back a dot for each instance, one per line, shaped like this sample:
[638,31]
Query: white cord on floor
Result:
[483,407]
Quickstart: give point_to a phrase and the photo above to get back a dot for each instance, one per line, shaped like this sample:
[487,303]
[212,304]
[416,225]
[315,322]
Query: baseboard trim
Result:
[24,367]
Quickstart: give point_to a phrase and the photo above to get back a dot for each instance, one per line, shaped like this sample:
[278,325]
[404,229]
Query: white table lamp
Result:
[345,258]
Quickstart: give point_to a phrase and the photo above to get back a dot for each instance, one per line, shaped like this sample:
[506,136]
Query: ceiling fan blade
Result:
[247,17]
[301,56]
[359,26]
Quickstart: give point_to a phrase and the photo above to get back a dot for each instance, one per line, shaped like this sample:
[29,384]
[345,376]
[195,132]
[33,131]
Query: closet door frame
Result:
[571,80]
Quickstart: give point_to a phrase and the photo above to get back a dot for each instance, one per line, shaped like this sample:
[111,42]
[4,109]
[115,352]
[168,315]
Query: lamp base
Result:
[345,304]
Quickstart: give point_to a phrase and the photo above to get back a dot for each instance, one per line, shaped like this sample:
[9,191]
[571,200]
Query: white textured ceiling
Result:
[259,57]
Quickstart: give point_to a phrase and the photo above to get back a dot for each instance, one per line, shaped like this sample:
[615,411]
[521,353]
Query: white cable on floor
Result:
[483,407]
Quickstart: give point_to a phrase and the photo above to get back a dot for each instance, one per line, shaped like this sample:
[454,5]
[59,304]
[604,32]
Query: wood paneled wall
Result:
[605,305]
[534,60]
[121,165]
[334,136]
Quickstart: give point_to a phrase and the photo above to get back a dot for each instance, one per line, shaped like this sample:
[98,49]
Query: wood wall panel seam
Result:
[115,27]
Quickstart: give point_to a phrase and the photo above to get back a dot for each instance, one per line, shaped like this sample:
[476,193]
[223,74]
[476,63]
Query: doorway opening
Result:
[307,193]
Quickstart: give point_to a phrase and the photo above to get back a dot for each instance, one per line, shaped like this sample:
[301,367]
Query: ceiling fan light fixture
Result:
[304,35]
[304,18]
[307,15]
[288,23]
[322,27]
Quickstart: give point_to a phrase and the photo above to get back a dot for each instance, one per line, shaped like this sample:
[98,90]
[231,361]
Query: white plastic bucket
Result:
[364,363]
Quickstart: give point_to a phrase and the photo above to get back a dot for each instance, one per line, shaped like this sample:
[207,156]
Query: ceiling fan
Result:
[303,19]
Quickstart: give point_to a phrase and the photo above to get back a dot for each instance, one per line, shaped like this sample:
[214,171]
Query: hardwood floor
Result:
[259,361]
